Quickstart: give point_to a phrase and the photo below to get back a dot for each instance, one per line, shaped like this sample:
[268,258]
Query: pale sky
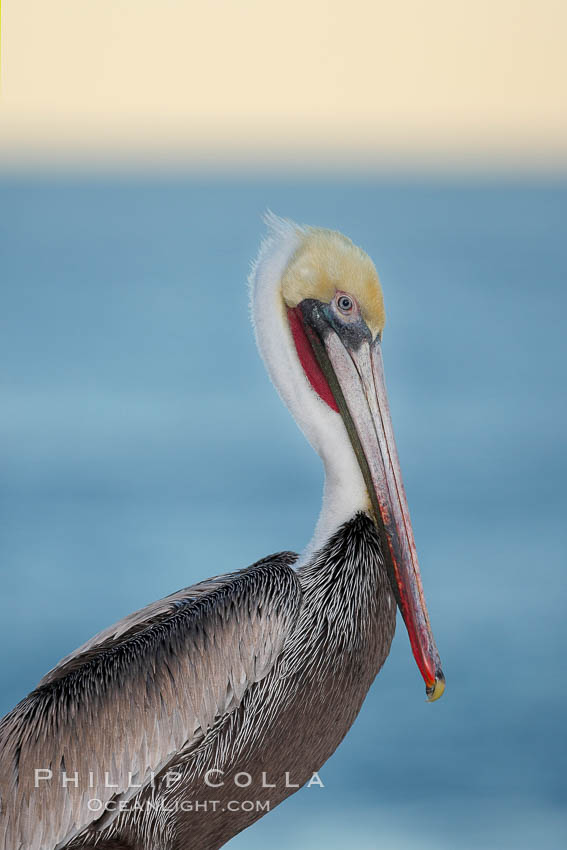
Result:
[312,82]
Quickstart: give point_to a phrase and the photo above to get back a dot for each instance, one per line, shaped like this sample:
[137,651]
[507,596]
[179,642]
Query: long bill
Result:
[355,375]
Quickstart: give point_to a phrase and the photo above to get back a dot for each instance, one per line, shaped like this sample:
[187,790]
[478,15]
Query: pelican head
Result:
[318,311]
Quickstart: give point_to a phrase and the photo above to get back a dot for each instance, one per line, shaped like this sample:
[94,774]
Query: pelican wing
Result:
[119,708]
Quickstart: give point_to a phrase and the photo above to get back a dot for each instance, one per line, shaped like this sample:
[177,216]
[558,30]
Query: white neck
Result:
[344,492]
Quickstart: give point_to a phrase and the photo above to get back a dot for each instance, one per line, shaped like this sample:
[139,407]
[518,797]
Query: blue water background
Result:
[142,448]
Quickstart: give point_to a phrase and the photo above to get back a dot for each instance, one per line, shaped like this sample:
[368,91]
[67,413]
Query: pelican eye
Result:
[345,304]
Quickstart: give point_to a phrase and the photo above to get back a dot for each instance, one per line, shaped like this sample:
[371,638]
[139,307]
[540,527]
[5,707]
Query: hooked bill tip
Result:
[437,689]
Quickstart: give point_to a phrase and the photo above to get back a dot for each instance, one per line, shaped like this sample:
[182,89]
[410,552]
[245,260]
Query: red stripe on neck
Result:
[307,358]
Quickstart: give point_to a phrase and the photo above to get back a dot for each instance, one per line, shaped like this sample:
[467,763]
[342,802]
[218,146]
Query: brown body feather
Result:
[260,673]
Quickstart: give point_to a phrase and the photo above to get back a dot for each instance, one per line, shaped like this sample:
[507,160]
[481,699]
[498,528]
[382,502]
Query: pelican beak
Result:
[351,363]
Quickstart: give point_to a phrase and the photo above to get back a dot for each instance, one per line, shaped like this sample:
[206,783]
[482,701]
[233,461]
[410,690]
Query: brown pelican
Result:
[185,722]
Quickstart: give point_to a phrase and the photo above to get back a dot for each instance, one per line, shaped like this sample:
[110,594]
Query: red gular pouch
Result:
[307,358]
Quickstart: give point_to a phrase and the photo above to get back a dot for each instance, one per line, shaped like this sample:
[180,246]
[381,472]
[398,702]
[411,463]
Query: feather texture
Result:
[137,694]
